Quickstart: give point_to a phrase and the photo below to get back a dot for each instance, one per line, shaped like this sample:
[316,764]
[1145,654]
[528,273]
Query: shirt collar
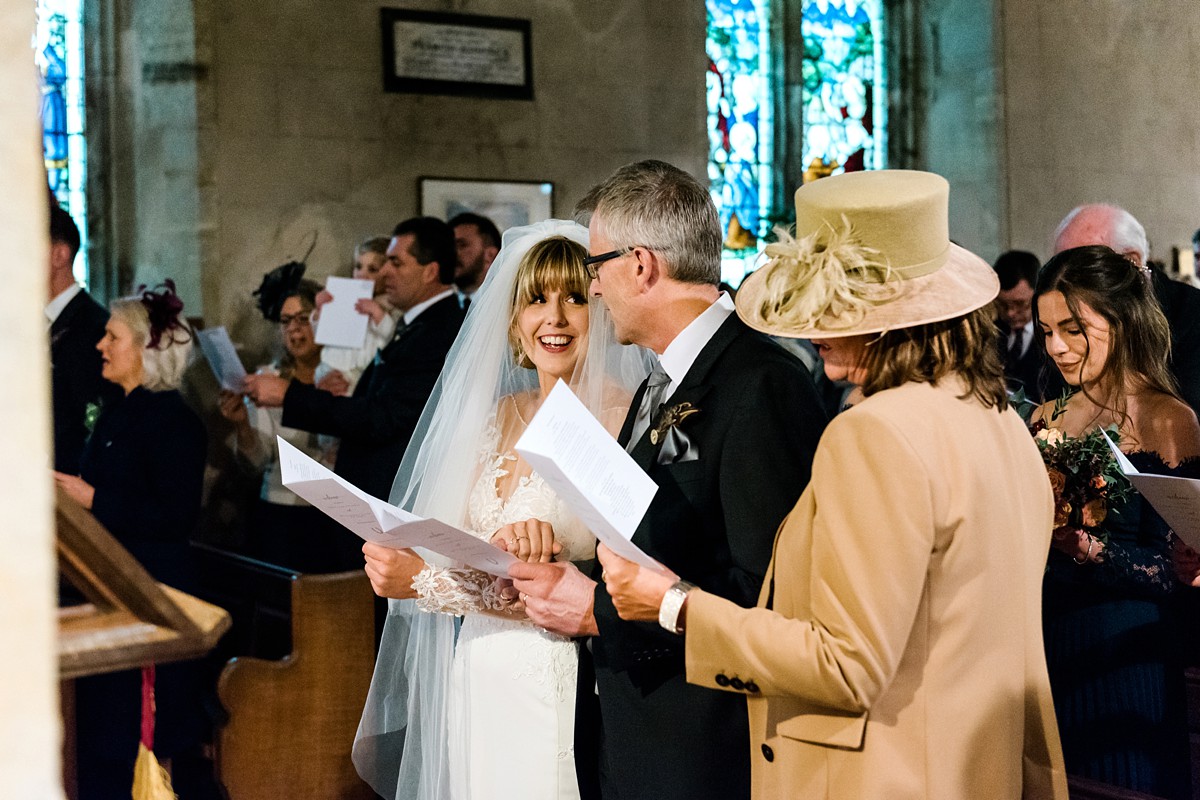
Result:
[683,350]
[416,310]
[55,307]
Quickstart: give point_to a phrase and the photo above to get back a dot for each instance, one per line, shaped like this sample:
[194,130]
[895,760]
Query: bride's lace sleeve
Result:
[459,591]
[463,590]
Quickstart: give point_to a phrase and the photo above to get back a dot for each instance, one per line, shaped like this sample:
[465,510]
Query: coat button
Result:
[768,753]
[737,684]
[722,680]
[752,687]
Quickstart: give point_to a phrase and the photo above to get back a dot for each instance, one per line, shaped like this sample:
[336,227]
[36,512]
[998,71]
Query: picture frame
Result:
[506,203]
[471,55]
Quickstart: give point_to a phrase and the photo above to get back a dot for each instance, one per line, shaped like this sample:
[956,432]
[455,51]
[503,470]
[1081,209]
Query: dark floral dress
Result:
[1115,655]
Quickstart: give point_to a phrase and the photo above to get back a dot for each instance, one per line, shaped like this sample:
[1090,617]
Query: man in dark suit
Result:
[726,425]
[1116,228]
[376,422]
[1025,364]
[76,327]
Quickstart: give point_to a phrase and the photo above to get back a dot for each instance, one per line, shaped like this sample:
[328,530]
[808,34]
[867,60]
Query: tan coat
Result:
[904,657]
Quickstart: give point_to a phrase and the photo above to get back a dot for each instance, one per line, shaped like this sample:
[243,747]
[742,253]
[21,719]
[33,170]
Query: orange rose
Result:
[1058,482]
[1062,513]
[1098,482]
[1094,512]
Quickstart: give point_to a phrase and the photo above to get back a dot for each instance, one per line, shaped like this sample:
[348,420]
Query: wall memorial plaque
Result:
[456,54]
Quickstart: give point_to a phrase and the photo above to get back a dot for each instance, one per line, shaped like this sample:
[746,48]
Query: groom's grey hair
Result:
[655,205]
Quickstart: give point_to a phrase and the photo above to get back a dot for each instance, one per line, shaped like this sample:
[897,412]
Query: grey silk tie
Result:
[656,389]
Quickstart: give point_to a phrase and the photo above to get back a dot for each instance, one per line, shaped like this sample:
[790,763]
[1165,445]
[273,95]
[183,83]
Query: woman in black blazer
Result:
[141,475]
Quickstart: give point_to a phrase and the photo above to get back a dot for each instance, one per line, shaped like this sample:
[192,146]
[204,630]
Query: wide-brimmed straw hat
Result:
[872,253]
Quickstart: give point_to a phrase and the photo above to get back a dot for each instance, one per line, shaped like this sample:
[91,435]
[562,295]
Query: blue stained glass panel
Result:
[58,50]
[845,94]
[739,126]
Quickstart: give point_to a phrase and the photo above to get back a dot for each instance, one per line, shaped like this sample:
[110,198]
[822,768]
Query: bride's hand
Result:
[531,540]
[392,571]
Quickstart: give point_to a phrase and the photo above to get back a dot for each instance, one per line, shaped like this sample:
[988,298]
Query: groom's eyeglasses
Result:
[593,263]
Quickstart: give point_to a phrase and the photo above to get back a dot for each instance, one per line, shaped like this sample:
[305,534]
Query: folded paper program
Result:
[376,521]
[593,474]
[1176,499]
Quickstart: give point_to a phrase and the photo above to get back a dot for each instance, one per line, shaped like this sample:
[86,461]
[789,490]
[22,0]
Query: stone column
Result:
[30,731]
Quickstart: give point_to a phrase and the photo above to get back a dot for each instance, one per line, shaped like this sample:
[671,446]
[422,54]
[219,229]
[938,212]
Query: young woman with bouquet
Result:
[1112,649]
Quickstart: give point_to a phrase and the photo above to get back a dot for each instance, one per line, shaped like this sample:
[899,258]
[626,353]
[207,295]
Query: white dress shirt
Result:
[683,350]
[55,307]
[1026,339]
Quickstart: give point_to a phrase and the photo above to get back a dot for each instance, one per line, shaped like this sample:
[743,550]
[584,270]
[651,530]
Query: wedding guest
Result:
[283,528]
[1111,645]
[725,425]
[341,367]
[1116,228]
[530,326]
[76,323]
[375,423]
[896,650]
[1025,365]
[142,476]
[476,240]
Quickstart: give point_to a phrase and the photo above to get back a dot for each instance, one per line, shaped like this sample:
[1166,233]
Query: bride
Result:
[493,715]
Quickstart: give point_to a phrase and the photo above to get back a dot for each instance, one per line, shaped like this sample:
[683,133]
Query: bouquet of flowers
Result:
[1084,475]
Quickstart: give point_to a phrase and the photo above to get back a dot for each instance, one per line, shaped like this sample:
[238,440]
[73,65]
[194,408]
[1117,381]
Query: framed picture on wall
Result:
[506,203]
[433,52]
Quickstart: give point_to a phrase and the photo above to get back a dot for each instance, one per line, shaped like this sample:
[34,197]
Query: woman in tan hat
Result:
[896,651]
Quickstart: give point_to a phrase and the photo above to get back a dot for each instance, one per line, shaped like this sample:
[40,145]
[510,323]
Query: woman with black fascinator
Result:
[142,476]
[283,529]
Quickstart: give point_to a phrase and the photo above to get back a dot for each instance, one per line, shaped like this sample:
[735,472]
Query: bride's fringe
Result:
[833,279]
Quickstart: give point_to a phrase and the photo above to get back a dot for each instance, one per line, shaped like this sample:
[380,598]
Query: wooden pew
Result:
[292,721]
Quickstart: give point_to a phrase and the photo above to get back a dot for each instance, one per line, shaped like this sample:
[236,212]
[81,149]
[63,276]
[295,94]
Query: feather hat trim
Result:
[872,253]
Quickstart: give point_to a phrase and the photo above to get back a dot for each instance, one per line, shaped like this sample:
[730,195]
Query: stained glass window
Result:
[844,89]
[58,49]
[739,127]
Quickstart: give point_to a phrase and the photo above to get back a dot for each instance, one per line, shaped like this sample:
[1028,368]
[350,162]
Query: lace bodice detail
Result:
[462,590]
[1137,557]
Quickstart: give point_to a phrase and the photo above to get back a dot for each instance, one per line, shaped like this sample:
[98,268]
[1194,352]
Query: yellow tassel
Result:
[150,780]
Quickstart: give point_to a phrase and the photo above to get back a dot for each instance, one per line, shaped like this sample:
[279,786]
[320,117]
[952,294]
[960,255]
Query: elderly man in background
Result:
[1118,229]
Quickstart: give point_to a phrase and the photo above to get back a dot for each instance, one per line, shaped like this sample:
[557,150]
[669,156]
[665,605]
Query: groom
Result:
[726,425]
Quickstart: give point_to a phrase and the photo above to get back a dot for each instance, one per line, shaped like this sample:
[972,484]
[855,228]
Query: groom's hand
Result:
[557,597]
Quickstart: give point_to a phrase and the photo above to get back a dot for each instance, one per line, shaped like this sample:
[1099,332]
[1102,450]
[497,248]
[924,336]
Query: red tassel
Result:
[148,708]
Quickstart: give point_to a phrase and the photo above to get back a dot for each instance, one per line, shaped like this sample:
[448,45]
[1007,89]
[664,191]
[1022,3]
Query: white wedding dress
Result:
[512,693]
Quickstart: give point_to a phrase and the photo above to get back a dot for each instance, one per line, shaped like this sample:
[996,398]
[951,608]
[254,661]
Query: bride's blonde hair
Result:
[556,264]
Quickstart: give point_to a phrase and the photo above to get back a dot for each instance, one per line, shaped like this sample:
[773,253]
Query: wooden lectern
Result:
[128,621]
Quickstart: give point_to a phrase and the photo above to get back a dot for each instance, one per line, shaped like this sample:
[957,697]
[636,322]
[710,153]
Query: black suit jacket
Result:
[146,462]
[713,522]
[1181,306]
[75,376]
[376,422]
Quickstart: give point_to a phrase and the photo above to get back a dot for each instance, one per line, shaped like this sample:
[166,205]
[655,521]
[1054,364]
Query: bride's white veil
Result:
[400,748]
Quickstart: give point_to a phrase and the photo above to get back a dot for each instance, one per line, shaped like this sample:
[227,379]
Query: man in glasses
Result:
[726,425]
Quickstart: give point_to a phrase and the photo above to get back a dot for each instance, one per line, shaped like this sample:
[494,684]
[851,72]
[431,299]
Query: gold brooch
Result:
[670,418]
